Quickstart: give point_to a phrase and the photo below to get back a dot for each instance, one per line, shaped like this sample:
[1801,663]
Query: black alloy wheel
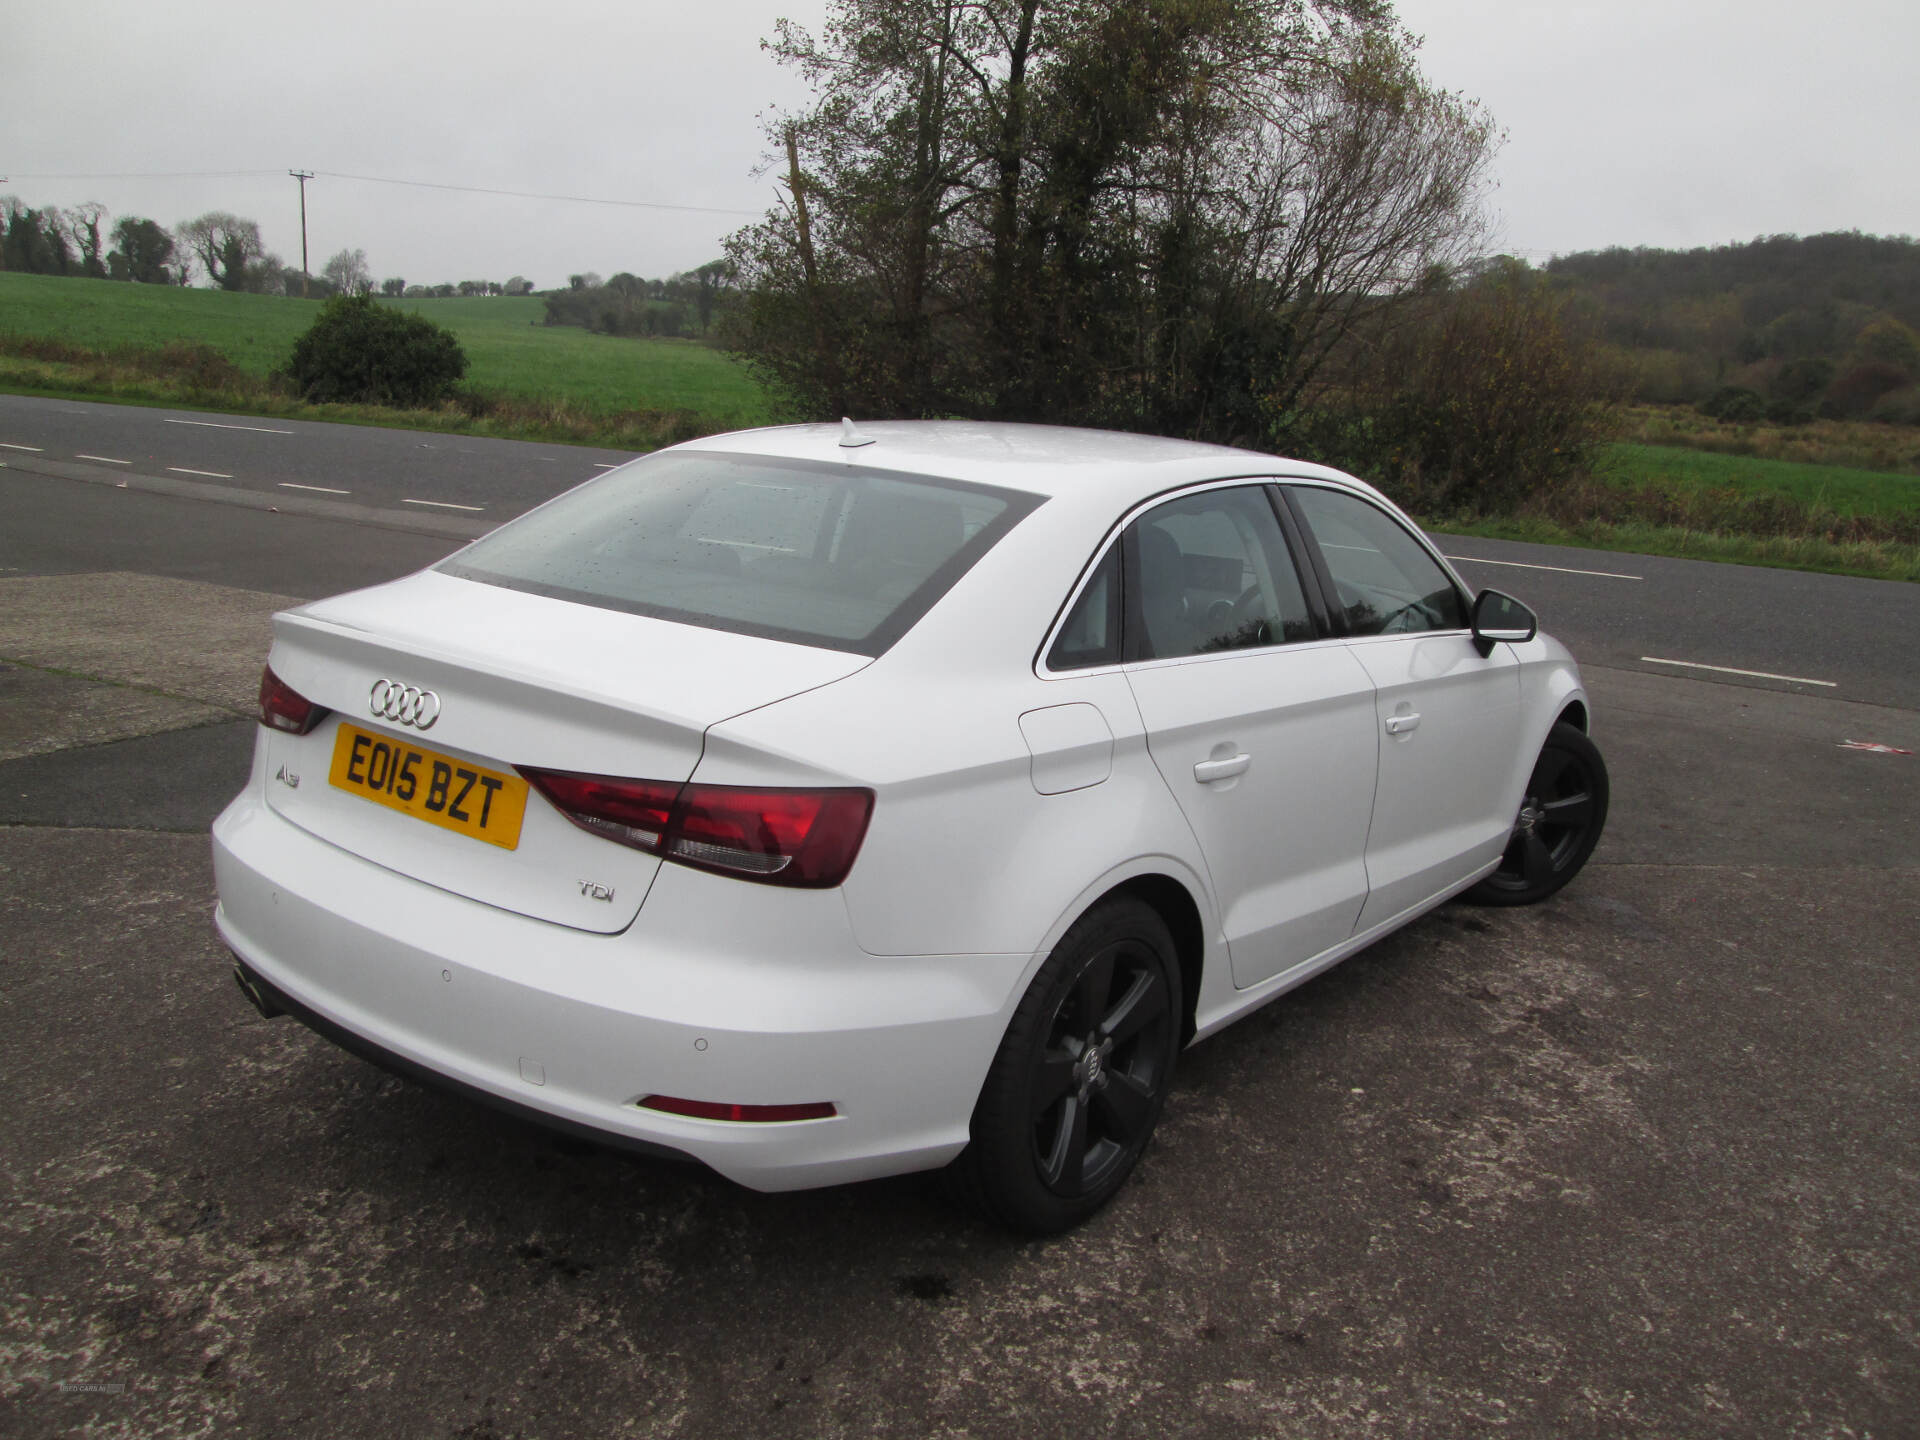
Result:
[1081,1076]
[1559,823]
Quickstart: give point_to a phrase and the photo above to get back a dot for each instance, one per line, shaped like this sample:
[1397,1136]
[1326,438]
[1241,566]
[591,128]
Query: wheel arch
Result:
[1175,905]
[1576,716]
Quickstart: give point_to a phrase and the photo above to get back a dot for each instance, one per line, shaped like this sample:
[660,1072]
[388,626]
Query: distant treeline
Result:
[1783,328]
[682,304]
[224,248]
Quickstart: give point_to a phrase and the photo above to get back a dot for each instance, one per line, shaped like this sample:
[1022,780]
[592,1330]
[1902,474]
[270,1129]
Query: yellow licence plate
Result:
[430,786]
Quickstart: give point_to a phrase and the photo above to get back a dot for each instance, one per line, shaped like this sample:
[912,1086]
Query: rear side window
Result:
[1091,634]
[819,554]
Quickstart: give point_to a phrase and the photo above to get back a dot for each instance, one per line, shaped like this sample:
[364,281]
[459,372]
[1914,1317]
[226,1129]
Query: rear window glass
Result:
[820,554]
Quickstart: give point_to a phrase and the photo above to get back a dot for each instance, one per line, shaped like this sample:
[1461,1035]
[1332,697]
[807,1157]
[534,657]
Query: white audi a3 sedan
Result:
[821,803]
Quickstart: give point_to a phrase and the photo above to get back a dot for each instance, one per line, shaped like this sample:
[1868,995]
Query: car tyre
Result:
[1560,819]
[1081,1075]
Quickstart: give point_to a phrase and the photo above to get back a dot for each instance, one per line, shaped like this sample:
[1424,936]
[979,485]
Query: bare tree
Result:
[225,245]
[81,225]
[1142,213]
[348,273]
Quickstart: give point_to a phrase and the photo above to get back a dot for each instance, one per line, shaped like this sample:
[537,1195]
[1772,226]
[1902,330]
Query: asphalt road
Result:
[289,460]
[1641,1161]
[1790,631]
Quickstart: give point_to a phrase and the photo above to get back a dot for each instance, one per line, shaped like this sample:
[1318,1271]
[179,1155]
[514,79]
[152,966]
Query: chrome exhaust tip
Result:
[268,1010]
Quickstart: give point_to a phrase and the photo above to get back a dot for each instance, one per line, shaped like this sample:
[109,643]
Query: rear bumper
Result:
[721,991]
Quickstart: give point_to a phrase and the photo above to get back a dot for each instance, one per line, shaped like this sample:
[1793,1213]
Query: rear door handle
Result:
[1210,770]
[1402,724]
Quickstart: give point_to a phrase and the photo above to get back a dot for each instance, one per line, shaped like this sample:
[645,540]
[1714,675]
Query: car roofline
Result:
[1050,460]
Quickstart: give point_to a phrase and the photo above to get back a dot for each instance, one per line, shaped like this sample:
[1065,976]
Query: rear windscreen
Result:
[819,554]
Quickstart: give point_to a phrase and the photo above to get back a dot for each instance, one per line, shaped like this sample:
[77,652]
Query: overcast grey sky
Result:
[1629,122]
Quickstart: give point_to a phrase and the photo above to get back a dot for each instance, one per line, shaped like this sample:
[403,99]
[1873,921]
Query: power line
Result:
[534,195]
[153,175]
[413,184]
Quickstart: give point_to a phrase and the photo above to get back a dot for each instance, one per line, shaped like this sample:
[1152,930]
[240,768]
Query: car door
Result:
[1259,722]
[1448,717]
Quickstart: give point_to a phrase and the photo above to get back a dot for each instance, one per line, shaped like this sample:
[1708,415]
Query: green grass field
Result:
[1843,490]
[509,350]
[561,383]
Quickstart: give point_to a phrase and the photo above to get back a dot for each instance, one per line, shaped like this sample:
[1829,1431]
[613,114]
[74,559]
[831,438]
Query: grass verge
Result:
[1873,560]
[1841,490]
[198,377]
[1853,444]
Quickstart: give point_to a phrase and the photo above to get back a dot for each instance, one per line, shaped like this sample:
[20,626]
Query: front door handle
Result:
[1402,724]
[1210,770]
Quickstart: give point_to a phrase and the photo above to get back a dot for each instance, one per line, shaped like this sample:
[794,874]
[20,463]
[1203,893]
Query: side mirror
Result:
[1501,620]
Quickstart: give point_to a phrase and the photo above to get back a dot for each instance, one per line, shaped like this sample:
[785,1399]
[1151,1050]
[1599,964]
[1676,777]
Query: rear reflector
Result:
[755,1114]
[284,708]
[805,838]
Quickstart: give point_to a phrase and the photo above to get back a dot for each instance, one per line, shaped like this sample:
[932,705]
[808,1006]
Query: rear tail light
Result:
[284,708]
[805,838]
[758,1114]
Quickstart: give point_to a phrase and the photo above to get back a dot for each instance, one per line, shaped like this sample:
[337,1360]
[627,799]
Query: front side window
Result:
[818,554]
[1387,582]
[1213,574]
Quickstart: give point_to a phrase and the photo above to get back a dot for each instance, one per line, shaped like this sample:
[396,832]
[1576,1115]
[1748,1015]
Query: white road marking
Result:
[1874,746]
[103,459]
[443,505]
[1729,670]
[210,474]
[602,465]
[1557,569]
[216,425]
[30,449]
[323,489]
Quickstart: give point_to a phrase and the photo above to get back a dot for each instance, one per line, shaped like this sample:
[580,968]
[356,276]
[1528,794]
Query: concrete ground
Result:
[1641,1161]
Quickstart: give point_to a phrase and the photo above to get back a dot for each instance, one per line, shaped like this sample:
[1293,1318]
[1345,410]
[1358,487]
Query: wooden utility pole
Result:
[303,176]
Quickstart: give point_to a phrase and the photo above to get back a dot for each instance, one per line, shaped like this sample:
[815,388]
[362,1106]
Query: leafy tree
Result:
[143,252]
[362,351]
[1159,214]
[225,246]
[711,282]
[393,285]
[1800,382]
[1887,342]
[33,243]
[1747,313]
[1467,398]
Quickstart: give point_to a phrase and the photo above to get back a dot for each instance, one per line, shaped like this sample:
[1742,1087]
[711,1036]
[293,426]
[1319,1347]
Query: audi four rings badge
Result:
[406,704]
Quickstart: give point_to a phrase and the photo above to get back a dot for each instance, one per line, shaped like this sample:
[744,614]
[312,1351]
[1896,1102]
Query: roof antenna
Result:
[850,438]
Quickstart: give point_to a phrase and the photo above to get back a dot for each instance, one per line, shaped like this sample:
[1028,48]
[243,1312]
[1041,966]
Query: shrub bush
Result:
[362,352]
[1898,407]
[1853,395]
[1800,382]
[1477,399]
[1734,405]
